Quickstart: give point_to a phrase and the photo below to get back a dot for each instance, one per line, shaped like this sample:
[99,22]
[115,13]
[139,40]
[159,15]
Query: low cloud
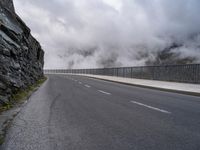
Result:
[109,33]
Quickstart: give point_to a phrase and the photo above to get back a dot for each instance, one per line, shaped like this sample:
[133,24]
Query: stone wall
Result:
[21,56]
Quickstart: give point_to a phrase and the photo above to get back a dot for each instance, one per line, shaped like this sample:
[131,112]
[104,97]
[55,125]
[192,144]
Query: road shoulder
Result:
[12,109]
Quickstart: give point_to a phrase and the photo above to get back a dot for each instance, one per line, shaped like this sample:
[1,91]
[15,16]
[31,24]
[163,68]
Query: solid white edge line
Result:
[154,108]
[104,92]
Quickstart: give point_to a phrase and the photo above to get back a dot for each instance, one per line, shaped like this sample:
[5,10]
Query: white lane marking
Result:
[104,92]
[80,82]
[154,108]
[87,86]
[75,80]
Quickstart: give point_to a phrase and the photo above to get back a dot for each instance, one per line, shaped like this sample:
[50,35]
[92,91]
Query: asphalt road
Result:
[78,113]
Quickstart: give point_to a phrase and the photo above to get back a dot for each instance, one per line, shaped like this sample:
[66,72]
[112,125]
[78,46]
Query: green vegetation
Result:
[5,107]
[1,139]
[18,98]
[22,95]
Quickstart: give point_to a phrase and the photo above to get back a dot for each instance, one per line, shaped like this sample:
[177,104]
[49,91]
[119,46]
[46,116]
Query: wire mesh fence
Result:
[189,73]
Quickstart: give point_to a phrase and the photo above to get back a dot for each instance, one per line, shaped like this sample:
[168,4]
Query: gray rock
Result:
[5,51]
[21,56]
[2,86]
[3,99]
[8,4]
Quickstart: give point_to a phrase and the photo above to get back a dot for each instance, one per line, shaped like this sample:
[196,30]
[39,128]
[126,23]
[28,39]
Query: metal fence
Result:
[178,73]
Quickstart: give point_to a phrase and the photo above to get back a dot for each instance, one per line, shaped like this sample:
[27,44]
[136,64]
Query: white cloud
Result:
[98,33]
[117,4]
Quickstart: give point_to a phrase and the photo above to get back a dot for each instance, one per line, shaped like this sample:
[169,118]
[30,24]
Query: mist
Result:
[113,33]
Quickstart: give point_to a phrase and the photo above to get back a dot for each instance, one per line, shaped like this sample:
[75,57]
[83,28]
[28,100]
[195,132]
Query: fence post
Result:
[179,73]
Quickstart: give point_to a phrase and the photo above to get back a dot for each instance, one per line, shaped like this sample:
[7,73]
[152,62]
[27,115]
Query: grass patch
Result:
[5,107]
[22,95]
[18,98]
[1,139]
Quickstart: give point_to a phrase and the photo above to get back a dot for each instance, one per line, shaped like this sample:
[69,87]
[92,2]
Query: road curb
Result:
[156,88]
[148,87]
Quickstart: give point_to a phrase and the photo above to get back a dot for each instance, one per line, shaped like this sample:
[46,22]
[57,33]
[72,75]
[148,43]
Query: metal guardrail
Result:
[177,73]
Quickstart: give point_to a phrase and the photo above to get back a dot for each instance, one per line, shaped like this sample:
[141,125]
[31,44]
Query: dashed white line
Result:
[80,82]
[104,92]
[154,108]
[87,86]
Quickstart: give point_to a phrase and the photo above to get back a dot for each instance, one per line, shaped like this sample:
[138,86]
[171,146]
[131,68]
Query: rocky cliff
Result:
[21,56]
[8,4]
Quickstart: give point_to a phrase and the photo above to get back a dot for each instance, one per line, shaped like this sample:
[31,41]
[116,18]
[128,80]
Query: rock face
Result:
[21,56]
[8,4]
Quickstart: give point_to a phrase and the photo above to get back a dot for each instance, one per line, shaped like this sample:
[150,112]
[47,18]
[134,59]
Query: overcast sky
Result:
[102,33]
